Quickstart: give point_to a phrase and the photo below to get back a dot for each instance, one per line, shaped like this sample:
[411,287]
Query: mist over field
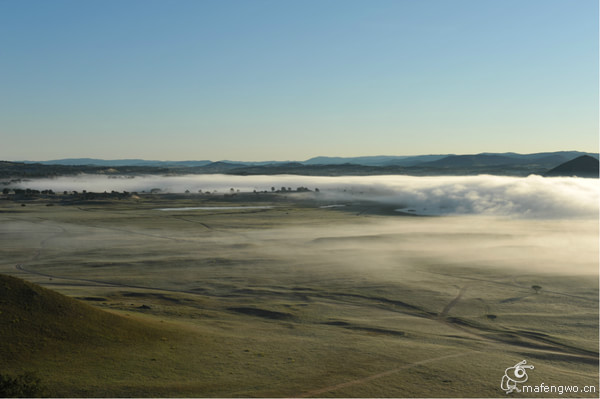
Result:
[529,197]
[306,293]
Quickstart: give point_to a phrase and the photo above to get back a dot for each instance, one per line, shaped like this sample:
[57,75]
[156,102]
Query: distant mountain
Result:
[256,163]
[470,161]
[380,160]
[567,155]
[507,164]
[297,168]
[214,167]
[121,162]
[479,160]
[544,159]
[414,160]
[583,166]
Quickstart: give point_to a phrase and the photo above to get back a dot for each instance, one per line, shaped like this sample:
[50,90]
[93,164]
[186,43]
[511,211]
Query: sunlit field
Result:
[342,293]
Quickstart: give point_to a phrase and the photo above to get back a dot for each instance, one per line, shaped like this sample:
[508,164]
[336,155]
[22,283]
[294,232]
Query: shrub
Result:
[22,386]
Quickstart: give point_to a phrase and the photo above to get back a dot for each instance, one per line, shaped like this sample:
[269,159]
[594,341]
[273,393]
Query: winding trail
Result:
[370,378]
[513,284]
[453,302]
[99,283]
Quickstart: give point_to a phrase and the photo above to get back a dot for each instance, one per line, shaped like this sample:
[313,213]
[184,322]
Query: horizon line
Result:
[308,159]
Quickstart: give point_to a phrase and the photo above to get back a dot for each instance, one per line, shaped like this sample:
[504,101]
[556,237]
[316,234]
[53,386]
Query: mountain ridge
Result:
[378,160]
[505,164]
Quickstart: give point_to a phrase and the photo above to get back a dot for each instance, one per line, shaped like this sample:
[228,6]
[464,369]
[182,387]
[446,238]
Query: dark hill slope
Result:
[483,160]
[296,168]
[470,161]
[77,350]
[583,166]
[31,170]
[34,319]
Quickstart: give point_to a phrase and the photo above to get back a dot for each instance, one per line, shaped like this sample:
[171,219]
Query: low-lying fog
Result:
[529,225]
[563,247]
[530,197]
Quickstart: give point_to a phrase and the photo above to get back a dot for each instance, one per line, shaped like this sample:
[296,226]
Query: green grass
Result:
[291,301]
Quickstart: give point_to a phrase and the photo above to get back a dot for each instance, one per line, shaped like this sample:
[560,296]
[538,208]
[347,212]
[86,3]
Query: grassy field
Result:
[294,300]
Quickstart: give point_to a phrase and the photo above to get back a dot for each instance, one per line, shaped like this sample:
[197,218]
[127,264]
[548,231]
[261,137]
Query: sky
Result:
[255,80]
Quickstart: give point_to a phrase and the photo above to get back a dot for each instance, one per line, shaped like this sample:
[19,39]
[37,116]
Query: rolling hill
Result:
[583,166]
[508,164]
[57,338]
[487,158]
[120,162]
[36,319]
[479,160]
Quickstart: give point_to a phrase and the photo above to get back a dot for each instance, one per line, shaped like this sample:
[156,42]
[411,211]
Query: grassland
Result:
[294,300]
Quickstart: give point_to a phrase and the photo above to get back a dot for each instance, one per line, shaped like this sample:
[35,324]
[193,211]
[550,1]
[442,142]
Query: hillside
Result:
[583,166]
[34,319]
[69,345]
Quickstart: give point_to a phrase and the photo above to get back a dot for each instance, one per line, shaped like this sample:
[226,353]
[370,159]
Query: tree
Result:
[536,288]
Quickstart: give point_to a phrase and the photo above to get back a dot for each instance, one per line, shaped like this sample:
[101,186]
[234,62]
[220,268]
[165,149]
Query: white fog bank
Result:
[529,197]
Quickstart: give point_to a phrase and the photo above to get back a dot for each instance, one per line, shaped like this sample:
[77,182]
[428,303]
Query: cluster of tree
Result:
[27,193]
[289,190]
[233,191]
[85,195]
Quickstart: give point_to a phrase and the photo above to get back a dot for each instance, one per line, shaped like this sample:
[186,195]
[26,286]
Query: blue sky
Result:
[291,79]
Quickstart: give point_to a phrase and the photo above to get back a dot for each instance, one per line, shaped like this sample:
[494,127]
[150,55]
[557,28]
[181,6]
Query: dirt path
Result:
[453,302]
[514,285]
[191,221]
[99,283]
[364,380]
